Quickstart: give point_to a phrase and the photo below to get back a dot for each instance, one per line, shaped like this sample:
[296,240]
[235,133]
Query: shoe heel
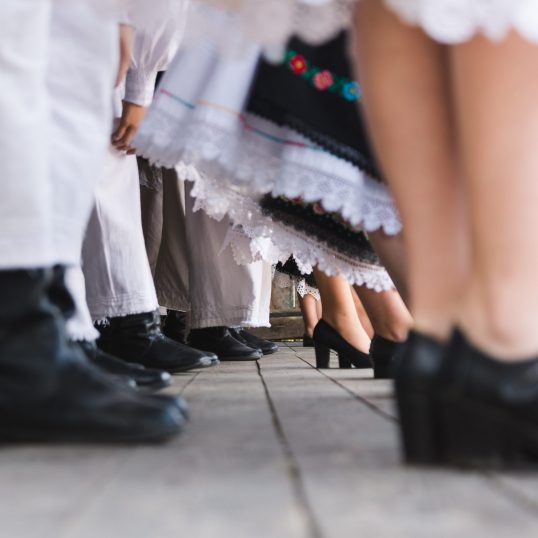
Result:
[383,369]
[323,355]
[477,437]
[418,428]
[344,362]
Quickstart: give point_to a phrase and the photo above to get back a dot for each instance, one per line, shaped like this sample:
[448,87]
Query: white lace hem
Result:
[254,166]
[457,21]
[257,237]
[314,21]
[284,281]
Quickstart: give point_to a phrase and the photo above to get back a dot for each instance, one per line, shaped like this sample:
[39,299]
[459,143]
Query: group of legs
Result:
[457,149]
[209,299]
[59,61]
[81,343]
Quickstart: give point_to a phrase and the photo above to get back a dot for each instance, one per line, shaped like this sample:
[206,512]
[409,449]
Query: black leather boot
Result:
[175,326]
[138,339]
[143,378]
[382,354]
[60,297]
[49,392]
[265,346]
[220,341]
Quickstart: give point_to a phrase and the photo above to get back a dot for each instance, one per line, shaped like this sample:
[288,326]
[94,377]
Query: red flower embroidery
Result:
[298,64]
[323,80]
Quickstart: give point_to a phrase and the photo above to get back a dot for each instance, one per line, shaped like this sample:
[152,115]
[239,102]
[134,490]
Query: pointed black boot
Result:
[143,378]
[383,353]
[266,347]
[138,339]
[487,409]
[48,390]
[327,338]
[417,371]
[219,340]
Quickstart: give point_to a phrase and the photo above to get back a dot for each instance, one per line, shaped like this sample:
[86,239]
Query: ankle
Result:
[309,331]
[436,327]
[397,332]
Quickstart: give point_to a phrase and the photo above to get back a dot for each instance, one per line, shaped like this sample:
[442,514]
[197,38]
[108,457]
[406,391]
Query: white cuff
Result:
[140,88]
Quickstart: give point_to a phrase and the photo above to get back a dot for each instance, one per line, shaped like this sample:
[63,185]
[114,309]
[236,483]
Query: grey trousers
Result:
[194,268]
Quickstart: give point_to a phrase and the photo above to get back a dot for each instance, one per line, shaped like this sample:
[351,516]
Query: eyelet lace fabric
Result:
[248,165]
[285,281]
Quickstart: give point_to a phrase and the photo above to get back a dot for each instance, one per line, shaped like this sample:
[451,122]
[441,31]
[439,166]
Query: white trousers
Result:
[194,268]
[114,258]
[57,66]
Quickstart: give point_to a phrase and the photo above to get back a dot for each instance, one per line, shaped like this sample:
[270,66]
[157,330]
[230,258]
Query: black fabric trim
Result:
[291,269]
[323,228]
[326,118]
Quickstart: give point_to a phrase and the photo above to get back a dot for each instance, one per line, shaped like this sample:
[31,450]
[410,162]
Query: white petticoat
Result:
[197,124]
[284,281]
[457,21]
[447,21]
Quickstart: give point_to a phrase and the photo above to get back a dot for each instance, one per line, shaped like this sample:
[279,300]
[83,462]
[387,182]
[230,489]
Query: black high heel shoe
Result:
[487,409]
[416,370]
[327,338]
[307,341]
[383,353]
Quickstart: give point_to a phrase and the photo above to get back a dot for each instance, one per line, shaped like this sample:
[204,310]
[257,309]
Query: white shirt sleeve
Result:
[154,47]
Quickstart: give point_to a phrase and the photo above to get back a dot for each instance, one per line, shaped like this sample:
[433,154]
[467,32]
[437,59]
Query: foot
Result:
[175,326]
[265,346]
[138,339]
[50,391]
[326,338]
[220,341]
[308,341]
[486,408]
[142,377]
[416,371]
[383,353]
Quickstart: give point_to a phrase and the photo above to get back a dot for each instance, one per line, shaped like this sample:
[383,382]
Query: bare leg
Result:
[310,313]
[391,251]
[339,310]
[387,312]
[363,316]
[405,77]
[496,105]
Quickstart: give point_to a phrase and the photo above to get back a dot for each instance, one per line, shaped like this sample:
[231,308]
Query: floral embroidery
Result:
[322,79]
[298,64]
[351,91]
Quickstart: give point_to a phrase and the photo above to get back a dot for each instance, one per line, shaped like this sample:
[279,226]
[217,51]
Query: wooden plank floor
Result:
[275,449]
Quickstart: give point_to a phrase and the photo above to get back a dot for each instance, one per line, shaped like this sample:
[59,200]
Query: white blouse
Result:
[158,34]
